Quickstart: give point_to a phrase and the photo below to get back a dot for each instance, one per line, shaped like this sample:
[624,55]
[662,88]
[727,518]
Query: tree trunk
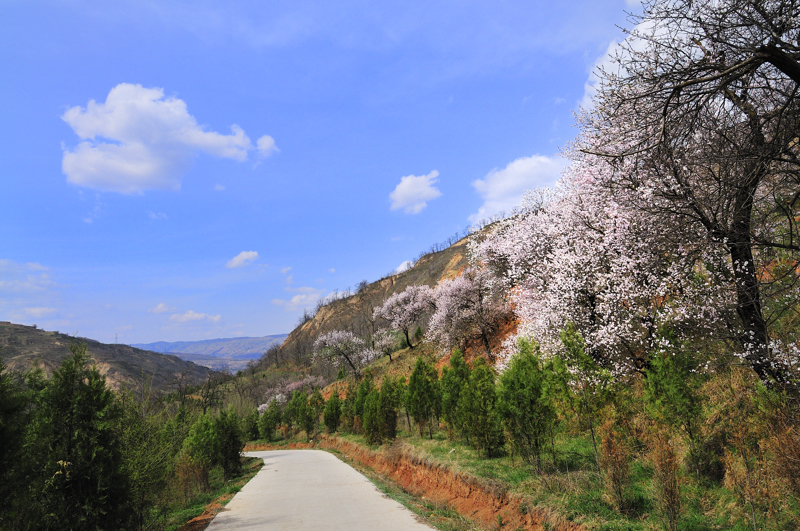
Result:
[754,340]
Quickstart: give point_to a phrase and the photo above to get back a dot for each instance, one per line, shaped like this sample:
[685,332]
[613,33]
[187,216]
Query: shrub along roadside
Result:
[205,505]
[78,455]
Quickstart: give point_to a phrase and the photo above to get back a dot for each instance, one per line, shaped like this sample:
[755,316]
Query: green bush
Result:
[77,477]
[454,379]
[201,447]
[332,413]
[348,408]
[229,443]
[390,400]
[525,409]
[249,426]
[365,386]
[423,400]
[269,421]
[671,391]
[372,418]
[479,408]
[13,418]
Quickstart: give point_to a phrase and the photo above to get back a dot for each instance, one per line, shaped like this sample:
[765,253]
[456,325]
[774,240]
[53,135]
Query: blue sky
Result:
[190,170]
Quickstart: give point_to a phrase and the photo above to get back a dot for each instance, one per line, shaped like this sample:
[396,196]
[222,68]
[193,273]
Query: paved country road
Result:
[312,490]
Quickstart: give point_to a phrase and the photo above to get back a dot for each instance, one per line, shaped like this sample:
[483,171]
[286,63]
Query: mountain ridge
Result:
[24,347]
[232,347]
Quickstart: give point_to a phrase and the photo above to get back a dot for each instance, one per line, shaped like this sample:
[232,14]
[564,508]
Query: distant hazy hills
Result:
[23,347]
[230,353]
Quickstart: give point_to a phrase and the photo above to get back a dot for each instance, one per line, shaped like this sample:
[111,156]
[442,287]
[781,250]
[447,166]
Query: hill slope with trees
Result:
[24,347]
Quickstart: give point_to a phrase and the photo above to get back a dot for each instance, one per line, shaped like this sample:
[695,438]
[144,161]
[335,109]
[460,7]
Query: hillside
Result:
[23,347]
[354,313]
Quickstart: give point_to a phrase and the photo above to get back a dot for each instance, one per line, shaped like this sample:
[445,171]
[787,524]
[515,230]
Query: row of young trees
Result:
[78,455]
[663,267]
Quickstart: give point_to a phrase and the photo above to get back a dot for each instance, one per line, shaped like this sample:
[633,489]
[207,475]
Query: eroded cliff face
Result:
[354,313]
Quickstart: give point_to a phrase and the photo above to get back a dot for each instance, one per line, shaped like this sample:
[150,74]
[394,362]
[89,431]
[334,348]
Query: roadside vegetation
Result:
[622,352]
[77,455]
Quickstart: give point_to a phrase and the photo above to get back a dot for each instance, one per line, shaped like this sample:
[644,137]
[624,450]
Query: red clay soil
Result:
[477,500]
[199,523]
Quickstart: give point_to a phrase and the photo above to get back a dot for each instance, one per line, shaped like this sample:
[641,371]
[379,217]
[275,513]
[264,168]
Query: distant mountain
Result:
[23,347]
[229,351]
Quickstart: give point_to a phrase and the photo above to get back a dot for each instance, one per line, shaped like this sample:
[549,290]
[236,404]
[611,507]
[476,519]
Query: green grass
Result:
[437,515]
[572,487]
[180,513]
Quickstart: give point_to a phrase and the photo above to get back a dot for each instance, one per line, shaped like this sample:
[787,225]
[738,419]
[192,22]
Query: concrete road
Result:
[311,490]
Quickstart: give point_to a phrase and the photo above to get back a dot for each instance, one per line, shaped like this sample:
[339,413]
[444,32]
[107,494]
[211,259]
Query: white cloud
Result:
[24,278]
[219,188]
[242,259]
[193,316]
[413,192]
[157,216]
[39,311]
[332,270]
[608,62]
[161,308]
[305,298]
[604,62]
[405,266]
[139,140]
[266,146]
[502,190]
[285,270]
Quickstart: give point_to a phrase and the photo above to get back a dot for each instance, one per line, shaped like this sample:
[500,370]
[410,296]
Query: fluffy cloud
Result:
[305,298]
[608,62]
[193,316]
[266,146]
[413,192]
[502,190]
[39,311]
[24,278]
[242,259]
[405,266]
[161,308]
[604,62]
[139,140]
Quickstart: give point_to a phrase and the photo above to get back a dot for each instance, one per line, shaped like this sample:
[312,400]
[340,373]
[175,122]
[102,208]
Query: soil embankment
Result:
[479,500]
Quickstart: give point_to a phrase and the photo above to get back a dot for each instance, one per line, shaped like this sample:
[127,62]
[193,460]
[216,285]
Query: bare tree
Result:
[211,390]
[181,382]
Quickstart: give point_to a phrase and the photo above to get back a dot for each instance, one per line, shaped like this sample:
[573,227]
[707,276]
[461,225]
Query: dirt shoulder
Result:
[486,503]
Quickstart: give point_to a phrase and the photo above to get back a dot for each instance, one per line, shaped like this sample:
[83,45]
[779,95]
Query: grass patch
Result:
[219,494]
[437,515]
[572,487]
